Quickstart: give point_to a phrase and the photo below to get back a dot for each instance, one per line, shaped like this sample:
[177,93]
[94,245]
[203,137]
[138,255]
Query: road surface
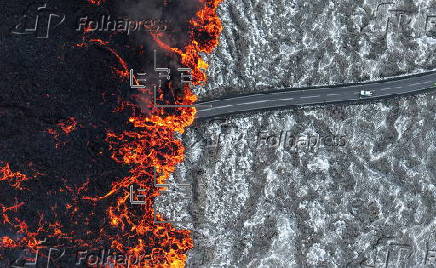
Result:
[315,96]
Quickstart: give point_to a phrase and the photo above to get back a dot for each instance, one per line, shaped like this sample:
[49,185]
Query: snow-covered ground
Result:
[331,186]
[279,43]
[362,188]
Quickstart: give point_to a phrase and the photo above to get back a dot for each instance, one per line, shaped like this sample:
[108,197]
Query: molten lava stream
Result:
[149,144]
[152,144]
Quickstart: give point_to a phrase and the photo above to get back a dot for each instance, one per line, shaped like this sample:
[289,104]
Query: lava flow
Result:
[148,144]
[152,144]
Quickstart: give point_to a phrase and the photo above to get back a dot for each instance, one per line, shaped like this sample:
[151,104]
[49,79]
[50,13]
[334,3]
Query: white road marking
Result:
[305,91]
[219,107]
[297,90]
[203,105]
[309,97]
[415,84]
[242,97]
[253,102]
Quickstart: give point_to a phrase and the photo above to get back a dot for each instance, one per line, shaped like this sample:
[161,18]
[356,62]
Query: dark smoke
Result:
[176,16]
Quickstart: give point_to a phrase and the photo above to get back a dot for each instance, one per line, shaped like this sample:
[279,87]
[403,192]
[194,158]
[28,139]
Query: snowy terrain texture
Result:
[365,197]
[332,186]
[294,43]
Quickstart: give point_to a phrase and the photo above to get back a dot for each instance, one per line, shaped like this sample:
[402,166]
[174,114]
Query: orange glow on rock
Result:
[149,143]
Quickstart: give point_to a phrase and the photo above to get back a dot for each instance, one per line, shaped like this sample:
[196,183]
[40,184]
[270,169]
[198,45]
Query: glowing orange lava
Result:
[69,125]
[15,179]
[96,2]
[152,144]
[149,143]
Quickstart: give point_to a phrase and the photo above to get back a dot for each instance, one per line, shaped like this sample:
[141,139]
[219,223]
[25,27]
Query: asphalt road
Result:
[315,96]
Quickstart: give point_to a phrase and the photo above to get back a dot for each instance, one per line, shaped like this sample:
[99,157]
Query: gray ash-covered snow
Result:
[366,201]
[367,192]
[273,44]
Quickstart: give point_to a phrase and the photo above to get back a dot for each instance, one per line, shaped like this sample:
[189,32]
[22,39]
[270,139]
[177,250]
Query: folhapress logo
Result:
[40,23]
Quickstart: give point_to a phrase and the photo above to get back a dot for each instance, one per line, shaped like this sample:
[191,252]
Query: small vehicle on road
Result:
[366,93]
